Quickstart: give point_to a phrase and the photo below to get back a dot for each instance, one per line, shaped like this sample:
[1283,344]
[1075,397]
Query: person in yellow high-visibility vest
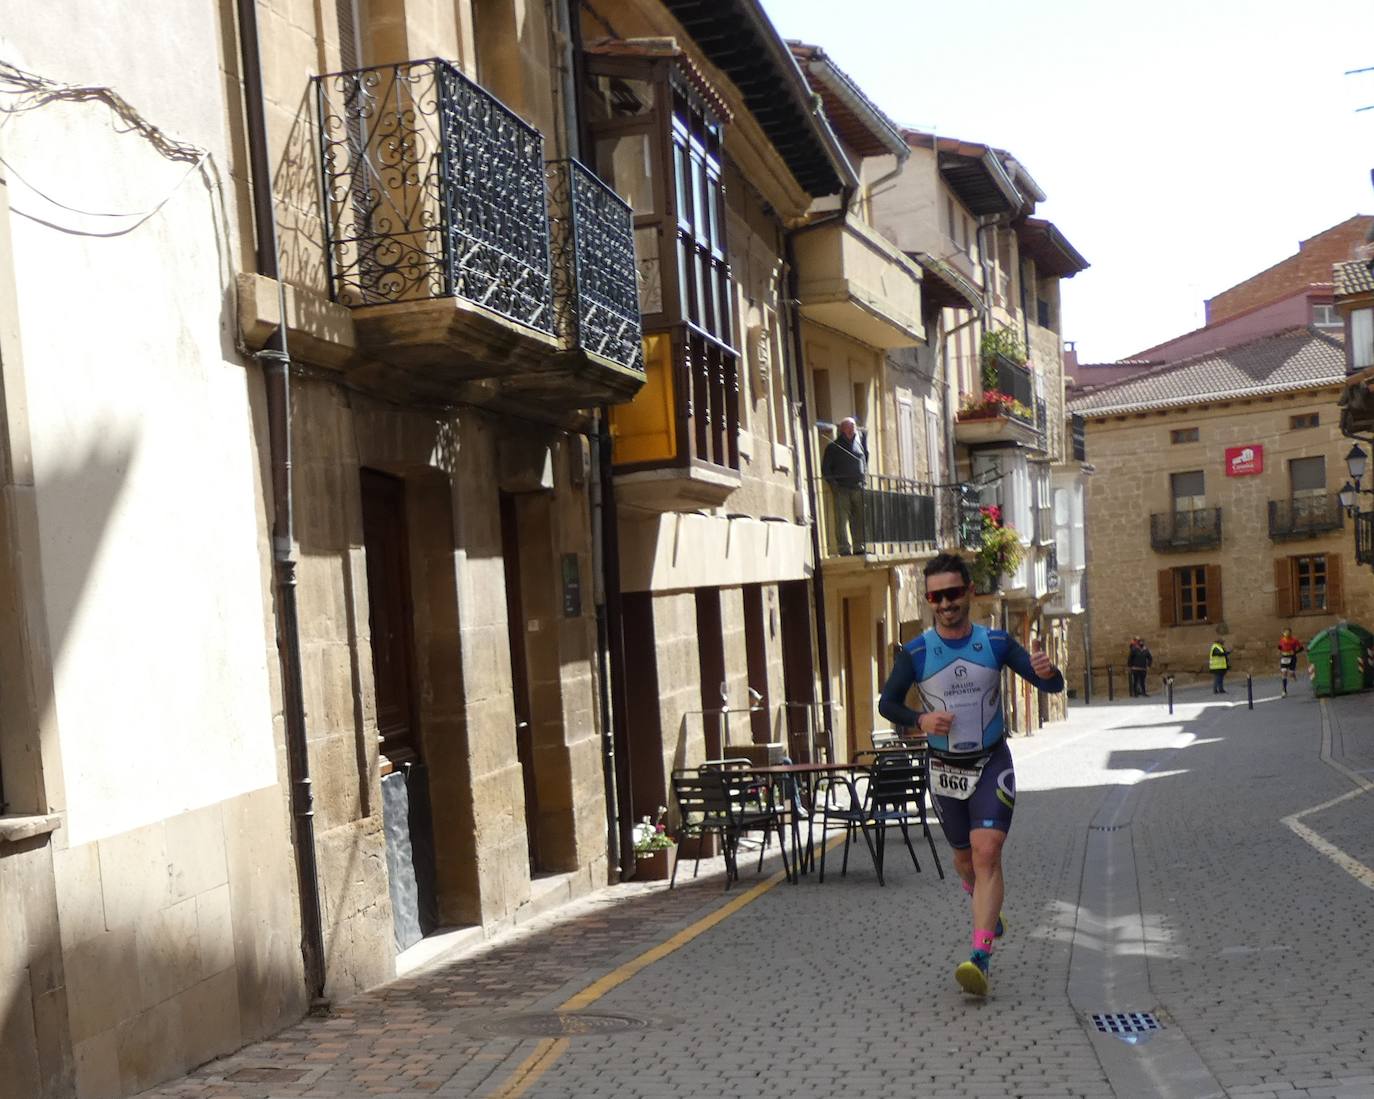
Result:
[1218,663]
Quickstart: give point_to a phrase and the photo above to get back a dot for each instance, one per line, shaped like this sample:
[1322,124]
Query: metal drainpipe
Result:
[608,752]
[817,577]
[276,360]
[615,644]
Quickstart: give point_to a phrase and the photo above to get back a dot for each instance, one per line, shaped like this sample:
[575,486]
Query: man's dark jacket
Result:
[845,461]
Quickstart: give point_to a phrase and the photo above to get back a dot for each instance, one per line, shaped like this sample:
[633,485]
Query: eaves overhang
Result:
[737,37]
[855,118]
[1043,242]
[946,287]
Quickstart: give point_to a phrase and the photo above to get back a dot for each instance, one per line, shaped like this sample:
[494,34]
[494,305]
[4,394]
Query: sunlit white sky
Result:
[1184,144]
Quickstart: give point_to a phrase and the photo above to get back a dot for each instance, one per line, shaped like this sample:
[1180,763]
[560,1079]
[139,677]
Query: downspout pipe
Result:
[817,574]
[276,362]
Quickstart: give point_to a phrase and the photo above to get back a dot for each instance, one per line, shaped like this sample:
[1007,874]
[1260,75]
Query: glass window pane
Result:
[627,162]
[1362,338]
[684,194]
[624,97]
[1307,474]
[684,280]
[650,271]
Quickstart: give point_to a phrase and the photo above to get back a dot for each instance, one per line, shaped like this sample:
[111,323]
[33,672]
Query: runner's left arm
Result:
[1019,661]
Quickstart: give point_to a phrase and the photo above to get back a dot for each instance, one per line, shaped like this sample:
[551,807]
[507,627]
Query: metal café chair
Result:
[894,795]
[728,802]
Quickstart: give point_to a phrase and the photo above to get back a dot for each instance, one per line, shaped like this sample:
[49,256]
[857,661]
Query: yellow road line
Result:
[1351,865]
[548,1051]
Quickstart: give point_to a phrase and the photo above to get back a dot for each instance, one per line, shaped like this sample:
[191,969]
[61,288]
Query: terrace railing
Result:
[1305,516]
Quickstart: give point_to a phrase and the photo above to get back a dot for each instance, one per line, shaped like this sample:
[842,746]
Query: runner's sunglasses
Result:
[941,595]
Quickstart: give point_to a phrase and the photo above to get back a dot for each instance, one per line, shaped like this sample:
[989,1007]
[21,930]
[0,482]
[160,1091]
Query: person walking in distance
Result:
[1218,661]
[957,670]
[1289,647]
[843,466]
[1138,662]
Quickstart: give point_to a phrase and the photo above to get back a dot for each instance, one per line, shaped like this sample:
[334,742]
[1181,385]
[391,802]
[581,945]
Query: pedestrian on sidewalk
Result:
[1218,661]
[1138,662]
[843,466]
[1289,647]
[957,670]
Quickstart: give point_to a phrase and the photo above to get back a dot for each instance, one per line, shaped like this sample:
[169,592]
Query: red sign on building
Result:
[1243,461]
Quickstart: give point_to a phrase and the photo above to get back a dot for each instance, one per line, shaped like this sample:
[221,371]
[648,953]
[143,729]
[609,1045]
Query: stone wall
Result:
[1134,457]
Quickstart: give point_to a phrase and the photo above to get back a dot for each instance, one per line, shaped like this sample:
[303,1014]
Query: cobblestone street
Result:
[1245,854]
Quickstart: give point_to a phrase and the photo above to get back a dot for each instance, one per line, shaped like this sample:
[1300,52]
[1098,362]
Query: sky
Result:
[1184,145]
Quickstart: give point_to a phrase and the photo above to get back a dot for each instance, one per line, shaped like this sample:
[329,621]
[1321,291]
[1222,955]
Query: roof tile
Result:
[1299,358]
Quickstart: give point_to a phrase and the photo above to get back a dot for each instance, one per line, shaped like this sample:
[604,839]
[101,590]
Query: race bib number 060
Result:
[949,781]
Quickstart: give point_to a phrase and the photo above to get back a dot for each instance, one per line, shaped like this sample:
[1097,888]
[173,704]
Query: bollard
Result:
[1169,682]
[1111,687]
[1249,691]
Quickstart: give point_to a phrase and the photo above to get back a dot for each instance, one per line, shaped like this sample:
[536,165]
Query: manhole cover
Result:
[265,1074]
[557,1024]
[1132,1027]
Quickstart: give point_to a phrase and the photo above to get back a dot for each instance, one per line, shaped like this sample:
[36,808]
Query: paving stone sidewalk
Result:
[818,989]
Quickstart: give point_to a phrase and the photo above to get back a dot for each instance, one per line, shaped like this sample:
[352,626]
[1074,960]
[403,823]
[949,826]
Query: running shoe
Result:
[972,975]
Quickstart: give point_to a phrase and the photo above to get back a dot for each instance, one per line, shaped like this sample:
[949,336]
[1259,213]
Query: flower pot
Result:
[706,846]
[655,865]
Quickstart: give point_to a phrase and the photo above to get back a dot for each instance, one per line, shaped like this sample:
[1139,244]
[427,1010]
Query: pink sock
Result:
[982,940]
[967,887]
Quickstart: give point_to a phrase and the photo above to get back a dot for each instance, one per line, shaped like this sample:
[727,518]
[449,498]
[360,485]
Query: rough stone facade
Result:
[1134,457]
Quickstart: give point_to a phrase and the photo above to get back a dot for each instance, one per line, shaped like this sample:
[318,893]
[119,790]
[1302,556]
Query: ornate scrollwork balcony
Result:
[1305,516]
[596,295]
[439,237]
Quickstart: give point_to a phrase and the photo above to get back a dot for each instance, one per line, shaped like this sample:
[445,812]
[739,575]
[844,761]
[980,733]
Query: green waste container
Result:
[1340,658]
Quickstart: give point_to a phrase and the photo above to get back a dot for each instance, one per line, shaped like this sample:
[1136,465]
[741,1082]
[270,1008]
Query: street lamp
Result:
[1355,462]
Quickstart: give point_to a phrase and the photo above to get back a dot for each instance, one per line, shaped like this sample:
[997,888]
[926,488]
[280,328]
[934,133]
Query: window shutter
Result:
[1283,587]
[1167,616]
[1214,593]
[1335,595]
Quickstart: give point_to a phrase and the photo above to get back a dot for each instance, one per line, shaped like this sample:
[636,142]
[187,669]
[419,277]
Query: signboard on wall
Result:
[1244,461]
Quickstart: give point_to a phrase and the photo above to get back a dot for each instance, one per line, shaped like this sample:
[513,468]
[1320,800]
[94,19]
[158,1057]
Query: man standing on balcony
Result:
[843,466]
[957,670]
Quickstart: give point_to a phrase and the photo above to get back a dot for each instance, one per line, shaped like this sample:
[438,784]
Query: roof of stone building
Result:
[1354,277]
[1298,358]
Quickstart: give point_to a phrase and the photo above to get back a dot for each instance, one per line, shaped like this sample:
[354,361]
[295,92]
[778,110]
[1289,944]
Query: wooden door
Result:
[519,671]
[390,617]
[798,671]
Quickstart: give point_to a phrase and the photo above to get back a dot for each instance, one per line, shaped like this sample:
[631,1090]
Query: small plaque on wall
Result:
[572,587]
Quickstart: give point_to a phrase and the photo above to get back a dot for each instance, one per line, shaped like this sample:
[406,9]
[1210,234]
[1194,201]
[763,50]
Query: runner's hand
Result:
[1041,664]
[936,723]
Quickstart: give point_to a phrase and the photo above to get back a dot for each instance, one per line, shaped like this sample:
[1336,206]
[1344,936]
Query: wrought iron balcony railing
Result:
[1364,538]
[1185,530]
[432,188]
[596,296]
[968,511]
[898,512]
[895,515]
[1305,516]
[1015,381]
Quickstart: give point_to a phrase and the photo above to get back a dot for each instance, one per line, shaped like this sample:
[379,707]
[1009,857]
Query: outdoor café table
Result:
[806,773]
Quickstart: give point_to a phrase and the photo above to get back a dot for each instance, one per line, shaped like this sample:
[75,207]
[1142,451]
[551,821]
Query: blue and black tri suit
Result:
[965,676]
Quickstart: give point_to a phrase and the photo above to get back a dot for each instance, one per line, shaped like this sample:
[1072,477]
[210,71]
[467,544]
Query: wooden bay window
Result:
[657,131]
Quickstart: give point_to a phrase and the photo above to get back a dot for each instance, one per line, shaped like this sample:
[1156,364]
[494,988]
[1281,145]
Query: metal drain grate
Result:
[556,1024]
[1132,1027]
[1107,827]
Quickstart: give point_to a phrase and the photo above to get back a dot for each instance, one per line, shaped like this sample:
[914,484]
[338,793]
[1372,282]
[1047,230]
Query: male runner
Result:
[1289,647]
[957,668]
